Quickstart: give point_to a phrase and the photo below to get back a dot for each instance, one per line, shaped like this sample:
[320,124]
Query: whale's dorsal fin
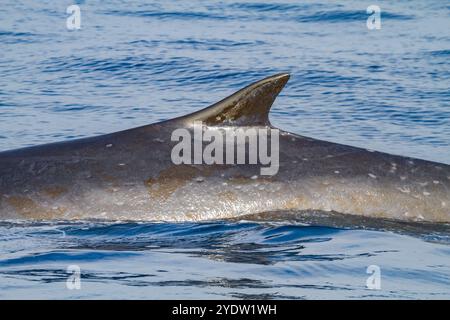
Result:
[247,107]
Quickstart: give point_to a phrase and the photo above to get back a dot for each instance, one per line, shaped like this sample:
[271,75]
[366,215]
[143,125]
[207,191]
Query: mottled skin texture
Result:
[130,175]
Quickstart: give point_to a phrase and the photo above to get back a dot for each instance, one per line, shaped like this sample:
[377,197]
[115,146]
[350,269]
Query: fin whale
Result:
[130,175]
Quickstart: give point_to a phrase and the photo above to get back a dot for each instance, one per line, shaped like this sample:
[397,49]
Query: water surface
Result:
[135,62]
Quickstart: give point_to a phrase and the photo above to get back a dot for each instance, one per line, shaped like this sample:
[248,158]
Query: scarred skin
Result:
[130,175]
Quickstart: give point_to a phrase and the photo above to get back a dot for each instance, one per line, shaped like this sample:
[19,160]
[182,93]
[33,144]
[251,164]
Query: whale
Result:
[132,175]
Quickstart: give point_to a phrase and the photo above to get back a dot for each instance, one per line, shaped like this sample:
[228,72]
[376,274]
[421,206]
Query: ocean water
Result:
[134,62]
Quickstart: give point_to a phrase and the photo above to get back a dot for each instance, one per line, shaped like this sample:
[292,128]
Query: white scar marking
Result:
[426,193]
[254,177]
[402,178]
[435,181]
[109,145]
[372,176]
[394,167]
[404,189]
[337,171]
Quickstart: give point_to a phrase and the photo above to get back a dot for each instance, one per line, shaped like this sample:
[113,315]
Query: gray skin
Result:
[130,175]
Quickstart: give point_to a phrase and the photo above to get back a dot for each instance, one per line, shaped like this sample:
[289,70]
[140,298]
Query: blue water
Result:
[134,63]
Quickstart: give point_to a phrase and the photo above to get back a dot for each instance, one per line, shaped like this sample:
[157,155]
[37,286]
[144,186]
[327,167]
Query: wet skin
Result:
[130,175]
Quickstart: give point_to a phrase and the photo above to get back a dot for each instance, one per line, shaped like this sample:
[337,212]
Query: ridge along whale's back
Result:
[249,106]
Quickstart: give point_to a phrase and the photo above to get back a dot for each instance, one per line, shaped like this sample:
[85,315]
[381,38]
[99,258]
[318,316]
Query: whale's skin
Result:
[129,175]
